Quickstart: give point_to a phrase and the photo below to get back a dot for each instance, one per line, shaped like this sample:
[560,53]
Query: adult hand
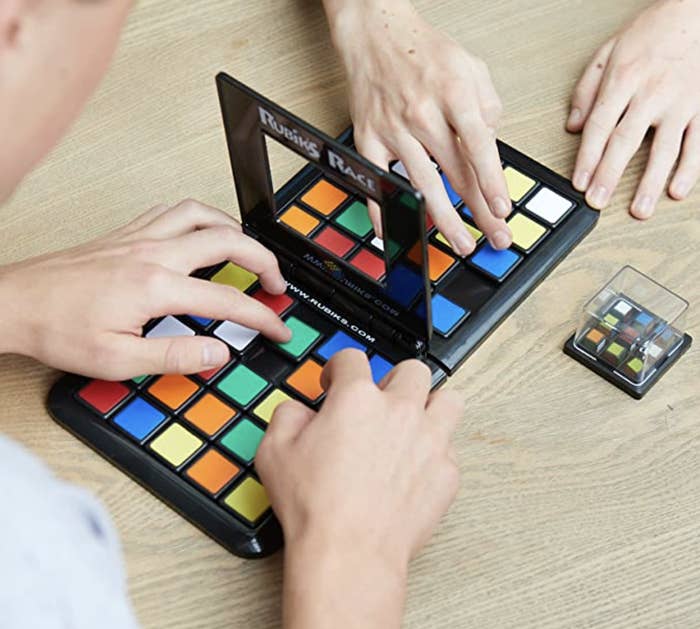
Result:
[82,310]
[414,92]
[645,77]
[359,488]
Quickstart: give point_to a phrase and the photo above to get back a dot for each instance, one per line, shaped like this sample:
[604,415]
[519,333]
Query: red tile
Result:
[103,395]
[332,240]
[369,264]
[278,303]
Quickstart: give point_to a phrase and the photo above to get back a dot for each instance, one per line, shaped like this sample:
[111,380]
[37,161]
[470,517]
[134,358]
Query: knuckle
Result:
[142,249]
[174,359]
[151,276]
[418,113]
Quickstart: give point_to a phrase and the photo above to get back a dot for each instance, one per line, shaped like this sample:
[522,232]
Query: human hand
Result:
[414,93]
[82,310]
[645,77]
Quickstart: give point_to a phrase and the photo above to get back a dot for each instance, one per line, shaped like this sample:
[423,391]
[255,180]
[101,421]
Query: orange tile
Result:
[439,262]
[307,380]
[324,197]
[212,471]
[299,220]
[173,390]
[209,414]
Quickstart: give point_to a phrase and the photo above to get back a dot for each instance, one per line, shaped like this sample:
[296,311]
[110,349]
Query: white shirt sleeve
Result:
[60,559]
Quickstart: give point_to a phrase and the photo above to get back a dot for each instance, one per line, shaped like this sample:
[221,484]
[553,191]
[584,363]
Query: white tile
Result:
[654,350]
[378,243]
[549,206]
[400,170]
[622,307]
[236,335]
[168,327]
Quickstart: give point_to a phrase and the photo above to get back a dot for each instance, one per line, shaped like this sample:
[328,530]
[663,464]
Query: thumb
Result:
[183,355]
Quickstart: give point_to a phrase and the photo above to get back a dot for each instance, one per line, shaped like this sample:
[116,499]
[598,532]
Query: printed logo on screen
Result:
[283,130]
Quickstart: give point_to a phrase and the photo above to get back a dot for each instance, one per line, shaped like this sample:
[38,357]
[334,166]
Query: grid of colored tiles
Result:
[527,234]
[496,263]
[332,240]
[337,343]
[518,184]
[139,419]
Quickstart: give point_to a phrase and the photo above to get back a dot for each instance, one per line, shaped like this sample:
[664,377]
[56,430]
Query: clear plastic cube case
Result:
[633,326]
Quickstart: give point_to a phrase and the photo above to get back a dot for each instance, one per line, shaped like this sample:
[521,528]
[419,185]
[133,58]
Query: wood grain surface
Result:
[579,506]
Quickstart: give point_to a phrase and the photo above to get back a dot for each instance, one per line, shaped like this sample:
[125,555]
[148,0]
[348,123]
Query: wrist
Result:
[10,318]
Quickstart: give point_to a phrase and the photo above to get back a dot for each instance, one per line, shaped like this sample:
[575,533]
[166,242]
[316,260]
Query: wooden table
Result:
[578,507]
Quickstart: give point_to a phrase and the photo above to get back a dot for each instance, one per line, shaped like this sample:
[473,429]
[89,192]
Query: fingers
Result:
[664,152]
[445,408]
[141,221]
[424,177]
[409,380]
[606,113]
[622,145]
[185,217]
[372,148]
[172,293]
[586,91]
[688,169]
[479,145]
[209,246]
[346,367]
[182,355]
[288,420]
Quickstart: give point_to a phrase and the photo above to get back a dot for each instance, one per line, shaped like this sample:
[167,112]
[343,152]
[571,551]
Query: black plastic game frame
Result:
[443,355]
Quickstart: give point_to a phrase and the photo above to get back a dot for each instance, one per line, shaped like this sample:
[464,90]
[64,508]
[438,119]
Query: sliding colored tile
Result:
[633,369]
[324,197]
[379,367]
[466,212]
[209,414]
[103,396]
[332,240]
[393,246]
[337,343]
[169,327]
[594,340]
[236,335]
[610,321]
[242,385]
[173,390]
[139,419]
[549,206]
[234,275]
[299,220]
[452,194]
[203,321]
[139,379]
[306,380]
[369,264]
[399,169]
[446,314]
[176,444]
[518,184]
[404,285]
[496,263]
[277,303]
[622,308]
[209,374]
[249,500]
[644,322]
[303,338]
[527,234]
[212,471]
[629,335]
[243,440]
[476,234]
[266,409]
[614,354]
[355,219]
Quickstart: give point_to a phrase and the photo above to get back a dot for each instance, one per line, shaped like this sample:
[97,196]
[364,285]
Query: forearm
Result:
[342,588]
[10,317]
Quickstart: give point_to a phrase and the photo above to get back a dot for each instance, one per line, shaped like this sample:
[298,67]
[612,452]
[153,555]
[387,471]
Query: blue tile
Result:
[403,285]
[139,419]
[380,367]
[644,318]
[494,262]
[466,212]
[451,193]
[446,314]
[338,342]
[201,320]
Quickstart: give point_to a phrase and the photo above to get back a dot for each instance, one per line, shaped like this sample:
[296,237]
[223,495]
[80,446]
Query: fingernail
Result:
[214,354]
[681,188]
[581,180]
[598,197]
[501,240]
[501,208]
[463,244]
[642,207]
[574,117]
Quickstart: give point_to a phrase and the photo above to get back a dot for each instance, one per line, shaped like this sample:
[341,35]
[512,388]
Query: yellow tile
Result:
[476,234]
[233,275]
[176,444]
[518,184]
[249,499]
[525,231]
[267,407]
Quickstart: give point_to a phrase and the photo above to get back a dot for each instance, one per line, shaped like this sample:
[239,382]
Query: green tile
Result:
[139,379]
[243,440]
[356,219]
[242,385]
[303,337]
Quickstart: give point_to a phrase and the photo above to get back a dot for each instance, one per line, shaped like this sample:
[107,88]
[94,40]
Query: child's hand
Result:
[82,310]
[644,77]
[413,93]
[359,488]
